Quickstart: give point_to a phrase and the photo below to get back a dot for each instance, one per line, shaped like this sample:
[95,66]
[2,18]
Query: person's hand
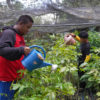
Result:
[73,35]
[26,50]
[67,35]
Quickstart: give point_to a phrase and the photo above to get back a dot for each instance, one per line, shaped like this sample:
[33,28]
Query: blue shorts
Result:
[6,93]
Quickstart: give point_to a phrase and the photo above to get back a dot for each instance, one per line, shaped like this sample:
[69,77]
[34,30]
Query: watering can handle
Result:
[33,46]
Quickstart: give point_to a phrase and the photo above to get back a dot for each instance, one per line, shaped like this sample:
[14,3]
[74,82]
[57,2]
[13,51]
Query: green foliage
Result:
[48,84]
[92,75]
[94,38]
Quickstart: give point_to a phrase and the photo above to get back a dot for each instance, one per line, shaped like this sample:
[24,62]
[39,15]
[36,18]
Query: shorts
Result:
[6,93]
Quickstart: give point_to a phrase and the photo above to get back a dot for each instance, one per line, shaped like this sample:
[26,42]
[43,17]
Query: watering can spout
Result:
[45,64]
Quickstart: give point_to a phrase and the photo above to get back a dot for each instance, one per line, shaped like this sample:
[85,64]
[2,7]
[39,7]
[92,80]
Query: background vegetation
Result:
[62,83]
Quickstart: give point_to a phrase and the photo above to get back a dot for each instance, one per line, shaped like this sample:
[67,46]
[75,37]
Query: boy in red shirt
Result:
[12,51]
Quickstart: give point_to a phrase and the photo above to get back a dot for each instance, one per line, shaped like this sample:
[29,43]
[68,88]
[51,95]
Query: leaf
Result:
[91,72]
[98,94]
[83,65]
[16,86]
[62,69]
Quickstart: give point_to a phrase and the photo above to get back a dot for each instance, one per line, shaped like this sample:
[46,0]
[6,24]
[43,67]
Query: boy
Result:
[12,51]
[85,51]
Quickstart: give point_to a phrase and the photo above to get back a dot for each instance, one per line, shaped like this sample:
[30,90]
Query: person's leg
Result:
[81,83]
[80,73]
[5,91]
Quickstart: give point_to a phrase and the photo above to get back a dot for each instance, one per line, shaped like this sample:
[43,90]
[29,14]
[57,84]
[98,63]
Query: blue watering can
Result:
[35,59]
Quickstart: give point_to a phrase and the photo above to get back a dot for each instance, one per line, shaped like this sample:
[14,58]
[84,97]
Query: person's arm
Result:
[7,49]
[87,52]
[87,59]
[76,37]
[88,56]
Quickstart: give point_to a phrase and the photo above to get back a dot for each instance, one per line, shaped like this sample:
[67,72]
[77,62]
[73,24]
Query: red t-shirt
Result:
[9,68]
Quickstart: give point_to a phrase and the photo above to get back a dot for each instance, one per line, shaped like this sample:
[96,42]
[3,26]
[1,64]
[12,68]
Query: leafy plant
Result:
[48,84]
